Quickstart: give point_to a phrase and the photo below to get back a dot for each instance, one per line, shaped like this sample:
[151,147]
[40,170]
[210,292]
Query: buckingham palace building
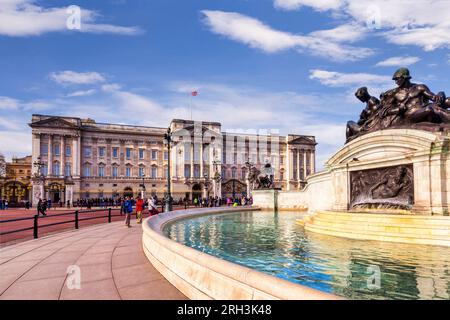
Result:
[77,158]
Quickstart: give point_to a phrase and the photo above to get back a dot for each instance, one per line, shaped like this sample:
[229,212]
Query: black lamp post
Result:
[168,142]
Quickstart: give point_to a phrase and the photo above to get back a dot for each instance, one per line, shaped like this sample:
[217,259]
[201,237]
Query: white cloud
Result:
[319,5]
[343,33]
[338,79]
[72,77]
[398,61]
[7,103]
[256,34]
[111,87]
[423,23]
[26,18]
[82,93]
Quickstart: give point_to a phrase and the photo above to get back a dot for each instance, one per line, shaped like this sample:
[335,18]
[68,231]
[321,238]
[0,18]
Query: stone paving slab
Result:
[110,259]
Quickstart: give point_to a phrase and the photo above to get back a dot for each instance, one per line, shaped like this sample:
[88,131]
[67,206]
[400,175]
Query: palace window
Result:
[187,151]
[115,171]
[187,171]
[196,171]
[128,171]
[56,149]
[68,151]
[87,170]
[154,154]
[165,172]
[166,155]
[154,173]
[101,151]
[141,171]
[128,153]
[44,149]
[55,168]
[101,171]
[141,153]
[115,152]
[233,173]
[67,170]
[87,151]
[224,173]
[44,169]
[244,173]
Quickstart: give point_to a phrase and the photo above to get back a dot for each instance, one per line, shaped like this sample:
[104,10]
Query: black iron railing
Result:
[76,220]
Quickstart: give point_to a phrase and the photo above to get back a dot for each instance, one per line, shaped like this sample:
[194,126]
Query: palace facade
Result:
[81,158]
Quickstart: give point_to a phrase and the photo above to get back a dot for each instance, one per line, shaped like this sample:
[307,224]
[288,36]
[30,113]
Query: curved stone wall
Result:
[202,276]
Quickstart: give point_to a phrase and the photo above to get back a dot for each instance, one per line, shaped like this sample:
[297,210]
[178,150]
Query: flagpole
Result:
[190,103]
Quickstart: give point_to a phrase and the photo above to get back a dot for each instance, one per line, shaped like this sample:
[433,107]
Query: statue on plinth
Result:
[410,105]
[261,179]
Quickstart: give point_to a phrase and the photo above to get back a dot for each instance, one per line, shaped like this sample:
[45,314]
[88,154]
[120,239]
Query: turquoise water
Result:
[274,244]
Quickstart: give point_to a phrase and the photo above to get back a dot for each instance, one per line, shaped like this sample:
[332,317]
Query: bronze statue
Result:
[261,179]
[410,105]
[367,119]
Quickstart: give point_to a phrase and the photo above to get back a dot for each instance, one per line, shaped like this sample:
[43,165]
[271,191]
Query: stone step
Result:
[407,229]
[386,218]
[378,237]
[370,226]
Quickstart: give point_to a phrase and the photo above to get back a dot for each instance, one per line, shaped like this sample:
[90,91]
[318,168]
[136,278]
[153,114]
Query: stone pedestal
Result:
[266,198]
[38,192]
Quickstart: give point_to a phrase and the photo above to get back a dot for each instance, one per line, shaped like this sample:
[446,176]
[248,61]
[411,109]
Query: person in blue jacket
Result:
[128,210]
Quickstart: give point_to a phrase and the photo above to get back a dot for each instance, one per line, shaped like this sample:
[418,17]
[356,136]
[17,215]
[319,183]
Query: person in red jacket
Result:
[139,208]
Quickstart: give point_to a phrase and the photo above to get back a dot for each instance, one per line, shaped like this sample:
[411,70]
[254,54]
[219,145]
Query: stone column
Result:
[298,167]
[201,160]
[173,161]
[313,162]
[305,171]
[75,156]
[50,154]
[36,151]
[62,157]
[69,194]
[192,160]
[288,167]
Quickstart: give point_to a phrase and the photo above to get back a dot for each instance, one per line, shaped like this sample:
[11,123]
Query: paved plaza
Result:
[109,256]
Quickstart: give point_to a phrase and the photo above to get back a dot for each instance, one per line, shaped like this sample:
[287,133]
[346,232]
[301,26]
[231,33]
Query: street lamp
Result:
[39,164]
[168,197]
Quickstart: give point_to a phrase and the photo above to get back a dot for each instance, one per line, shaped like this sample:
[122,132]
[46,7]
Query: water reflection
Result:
[274,244]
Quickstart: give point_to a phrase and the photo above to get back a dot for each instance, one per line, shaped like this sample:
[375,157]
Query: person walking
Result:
[139,208]
[6,204]
[152,206]
[44,207]
[128,211]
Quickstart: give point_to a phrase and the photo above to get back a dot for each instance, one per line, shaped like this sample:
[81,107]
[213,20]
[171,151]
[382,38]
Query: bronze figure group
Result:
[409,105]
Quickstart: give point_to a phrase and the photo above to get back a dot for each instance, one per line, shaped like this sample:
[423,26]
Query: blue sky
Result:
[286,65]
